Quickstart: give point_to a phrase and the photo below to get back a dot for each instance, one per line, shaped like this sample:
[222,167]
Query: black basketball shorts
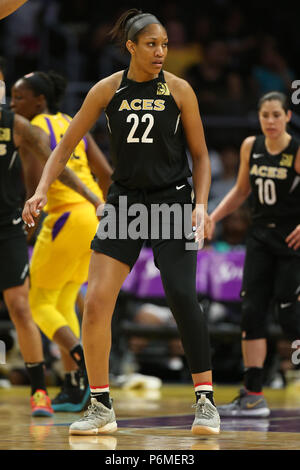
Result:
[14,261]
[271,269]
[127,248]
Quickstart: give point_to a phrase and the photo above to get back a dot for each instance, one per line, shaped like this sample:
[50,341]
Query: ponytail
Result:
[119,31]
[130,25]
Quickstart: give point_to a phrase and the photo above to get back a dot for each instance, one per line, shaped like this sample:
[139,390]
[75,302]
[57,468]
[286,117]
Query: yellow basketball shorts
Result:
[62,251]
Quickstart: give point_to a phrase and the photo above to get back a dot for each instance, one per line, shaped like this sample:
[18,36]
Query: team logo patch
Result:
[286,160]
[162,89]
[5,133]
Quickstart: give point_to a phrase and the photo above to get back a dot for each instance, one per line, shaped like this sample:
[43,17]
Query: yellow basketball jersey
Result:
[59,195]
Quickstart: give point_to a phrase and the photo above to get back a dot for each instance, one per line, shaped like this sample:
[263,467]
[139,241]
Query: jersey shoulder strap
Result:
[258,144]
[294,145]
[7,118]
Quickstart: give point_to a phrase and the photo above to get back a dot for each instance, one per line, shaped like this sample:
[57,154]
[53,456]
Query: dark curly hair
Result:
[51,85]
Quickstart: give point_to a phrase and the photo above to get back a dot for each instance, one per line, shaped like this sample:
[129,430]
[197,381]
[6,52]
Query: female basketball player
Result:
[60,259]
[17,142]
[270,171]
[148,112]
[19,137]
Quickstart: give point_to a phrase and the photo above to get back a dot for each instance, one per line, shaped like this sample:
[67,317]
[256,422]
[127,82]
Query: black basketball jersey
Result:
[11,185]
[275,184]
[146,135]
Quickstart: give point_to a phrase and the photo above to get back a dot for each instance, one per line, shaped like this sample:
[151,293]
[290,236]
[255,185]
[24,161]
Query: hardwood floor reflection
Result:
[152,420]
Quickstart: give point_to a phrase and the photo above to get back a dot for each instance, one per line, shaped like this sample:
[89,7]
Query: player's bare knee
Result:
[97,305]
[19,310]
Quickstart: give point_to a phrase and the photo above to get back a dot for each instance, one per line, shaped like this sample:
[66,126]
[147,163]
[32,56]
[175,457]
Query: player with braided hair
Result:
[23,155]
[60,259]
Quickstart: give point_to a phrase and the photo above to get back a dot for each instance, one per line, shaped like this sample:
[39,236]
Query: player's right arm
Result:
[240,191]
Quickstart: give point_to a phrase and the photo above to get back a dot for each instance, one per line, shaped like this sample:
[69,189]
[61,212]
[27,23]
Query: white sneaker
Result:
[207,419]
[97,420]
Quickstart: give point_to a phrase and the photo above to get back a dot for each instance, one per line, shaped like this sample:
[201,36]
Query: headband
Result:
[138,22]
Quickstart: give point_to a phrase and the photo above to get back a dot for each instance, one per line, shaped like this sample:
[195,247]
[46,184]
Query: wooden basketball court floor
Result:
[153,420]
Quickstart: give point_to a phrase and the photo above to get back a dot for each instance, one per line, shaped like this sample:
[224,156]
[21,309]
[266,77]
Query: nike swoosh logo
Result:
[258,155]
[252,405]
[180,187]
[16,221]
[285,305]
[120,89]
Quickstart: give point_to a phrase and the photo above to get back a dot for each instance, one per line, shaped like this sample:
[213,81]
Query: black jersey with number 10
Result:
[146,135]
[275,184]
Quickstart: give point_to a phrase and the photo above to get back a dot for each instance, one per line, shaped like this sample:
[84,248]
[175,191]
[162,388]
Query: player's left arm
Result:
[293,239]
[99,164]
[193,129]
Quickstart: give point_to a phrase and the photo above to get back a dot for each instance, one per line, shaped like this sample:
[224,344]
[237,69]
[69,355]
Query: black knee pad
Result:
[253,324]
[289,318]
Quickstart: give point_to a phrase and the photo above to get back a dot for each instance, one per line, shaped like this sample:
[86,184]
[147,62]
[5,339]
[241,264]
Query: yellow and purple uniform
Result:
[61,255]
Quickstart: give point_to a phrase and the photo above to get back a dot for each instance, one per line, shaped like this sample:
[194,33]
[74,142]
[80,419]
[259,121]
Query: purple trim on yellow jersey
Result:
[59,224]
[53,142]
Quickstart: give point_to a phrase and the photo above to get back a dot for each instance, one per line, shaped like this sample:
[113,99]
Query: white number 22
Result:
[135,118]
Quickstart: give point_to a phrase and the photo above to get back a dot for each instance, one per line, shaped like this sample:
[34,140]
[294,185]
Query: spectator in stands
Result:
[152,315]
[22,38]
[235,227]
[216,85]
[272,72]
[229,158]
[204,28]
[105,58]
[239,38]
[181,53]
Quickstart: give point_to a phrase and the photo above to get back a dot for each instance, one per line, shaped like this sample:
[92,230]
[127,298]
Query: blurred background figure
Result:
[9,6]
[181,52]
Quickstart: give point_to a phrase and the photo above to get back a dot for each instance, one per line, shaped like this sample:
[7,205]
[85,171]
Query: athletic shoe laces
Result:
[93,411]
[203,407]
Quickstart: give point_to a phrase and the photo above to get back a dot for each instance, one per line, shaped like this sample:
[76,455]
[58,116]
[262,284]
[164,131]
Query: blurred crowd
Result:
[231,52]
